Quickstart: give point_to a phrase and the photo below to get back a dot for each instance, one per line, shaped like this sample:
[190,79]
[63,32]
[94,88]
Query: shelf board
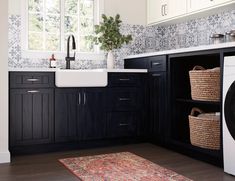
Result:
[198,102]
[217,154]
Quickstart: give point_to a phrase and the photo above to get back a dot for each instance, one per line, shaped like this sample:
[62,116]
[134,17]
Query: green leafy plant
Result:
[108,35]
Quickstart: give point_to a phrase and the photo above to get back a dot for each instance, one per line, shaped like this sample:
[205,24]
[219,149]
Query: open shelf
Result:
[212,156]
[190,101]
[181,103]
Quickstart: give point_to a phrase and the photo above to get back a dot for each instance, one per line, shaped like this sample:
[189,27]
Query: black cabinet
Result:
[51,117]
[157,108]
[125,104]
[31,108]
[66,114]
[31,79]
[181,103]
[79,114]
[92,120]
[122,124]
[31,116]
[155,123]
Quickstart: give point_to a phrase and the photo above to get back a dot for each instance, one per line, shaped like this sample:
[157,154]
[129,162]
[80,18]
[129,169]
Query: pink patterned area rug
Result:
[122,166]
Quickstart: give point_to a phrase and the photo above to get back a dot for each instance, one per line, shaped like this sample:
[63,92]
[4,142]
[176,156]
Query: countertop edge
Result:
[55,69]
[184,50]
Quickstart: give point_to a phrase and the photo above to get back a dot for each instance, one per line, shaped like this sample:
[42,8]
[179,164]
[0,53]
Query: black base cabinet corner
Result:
[155,119]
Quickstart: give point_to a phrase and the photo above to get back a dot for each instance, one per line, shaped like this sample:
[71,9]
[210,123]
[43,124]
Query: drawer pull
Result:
[124,99]
[155,64]
[156,75]
[32,80]
[33,91]
[123,124]
[124,79]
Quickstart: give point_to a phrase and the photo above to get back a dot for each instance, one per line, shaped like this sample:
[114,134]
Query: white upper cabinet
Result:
[162,10]
[156,10]
[198,5]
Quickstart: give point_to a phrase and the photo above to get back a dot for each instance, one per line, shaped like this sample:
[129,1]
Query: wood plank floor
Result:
[45,167]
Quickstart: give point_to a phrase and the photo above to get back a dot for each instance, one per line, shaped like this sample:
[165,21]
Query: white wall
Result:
[131,11]
[14,7]
[4,153]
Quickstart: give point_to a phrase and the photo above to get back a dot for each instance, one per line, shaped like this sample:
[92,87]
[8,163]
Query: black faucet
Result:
[68,58]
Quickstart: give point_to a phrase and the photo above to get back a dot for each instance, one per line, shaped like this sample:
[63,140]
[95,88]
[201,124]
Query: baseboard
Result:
[5,157]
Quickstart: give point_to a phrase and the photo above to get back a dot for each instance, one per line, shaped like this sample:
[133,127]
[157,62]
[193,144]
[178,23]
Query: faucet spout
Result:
[68,58]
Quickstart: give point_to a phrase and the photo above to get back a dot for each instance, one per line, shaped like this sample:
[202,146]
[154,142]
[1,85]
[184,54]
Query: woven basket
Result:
[204,129]
[205,84]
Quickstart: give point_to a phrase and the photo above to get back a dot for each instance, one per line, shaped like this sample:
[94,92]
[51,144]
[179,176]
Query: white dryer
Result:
[229,114]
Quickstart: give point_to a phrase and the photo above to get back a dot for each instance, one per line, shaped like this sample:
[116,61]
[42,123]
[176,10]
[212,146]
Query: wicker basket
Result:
[205,84]
[204,129]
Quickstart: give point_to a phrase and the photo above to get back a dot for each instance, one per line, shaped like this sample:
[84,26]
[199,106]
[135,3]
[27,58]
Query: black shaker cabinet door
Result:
[229,110]
[66,114]
[31,116]
[92,121]
[157,105]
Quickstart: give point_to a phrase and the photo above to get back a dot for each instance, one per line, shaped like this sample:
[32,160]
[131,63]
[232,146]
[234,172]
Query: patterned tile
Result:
[145,39]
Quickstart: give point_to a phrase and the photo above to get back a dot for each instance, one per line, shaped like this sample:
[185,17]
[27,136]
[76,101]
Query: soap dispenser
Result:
[52,61]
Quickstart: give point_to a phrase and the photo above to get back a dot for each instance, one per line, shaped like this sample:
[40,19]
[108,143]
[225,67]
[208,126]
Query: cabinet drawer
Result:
[124,99]
[157,63]
[124,79]
[31,80]
[121,124]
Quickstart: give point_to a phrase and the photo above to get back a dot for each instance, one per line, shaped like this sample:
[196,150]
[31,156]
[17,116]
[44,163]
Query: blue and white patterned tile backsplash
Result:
[145,39]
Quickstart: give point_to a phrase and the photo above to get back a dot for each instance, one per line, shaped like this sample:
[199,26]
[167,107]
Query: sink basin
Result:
[81,78]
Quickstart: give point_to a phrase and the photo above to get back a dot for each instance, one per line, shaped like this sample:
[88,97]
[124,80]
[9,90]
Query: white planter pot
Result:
[110,60]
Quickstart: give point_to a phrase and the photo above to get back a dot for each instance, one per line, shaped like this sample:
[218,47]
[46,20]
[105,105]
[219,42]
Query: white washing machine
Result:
[229,114]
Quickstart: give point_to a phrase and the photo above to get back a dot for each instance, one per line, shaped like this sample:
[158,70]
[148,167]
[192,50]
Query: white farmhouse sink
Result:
[81,78]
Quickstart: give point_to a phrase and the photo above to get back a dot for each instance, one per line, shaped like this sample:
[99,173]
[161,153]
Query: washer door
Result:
[229,110]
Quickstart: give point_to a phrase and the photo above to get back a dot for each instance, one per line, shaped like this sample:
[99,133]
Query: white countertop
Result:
[32,69]
[128,70]
[184,50]
[54,70]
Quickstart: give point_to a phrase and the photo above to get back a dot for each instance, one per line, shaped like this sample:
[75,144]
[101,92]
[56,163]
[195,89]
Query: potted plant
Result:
[108,36]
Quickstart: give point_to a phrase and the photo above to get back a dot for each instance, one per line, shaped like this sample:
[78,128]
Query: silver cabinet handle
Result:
[79,98]
[33,91]
[84,95]
[124,99]
[156,63]
[165,10]
[156,75]
[32,80]
[162,10]
[123,124]
[124,79]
